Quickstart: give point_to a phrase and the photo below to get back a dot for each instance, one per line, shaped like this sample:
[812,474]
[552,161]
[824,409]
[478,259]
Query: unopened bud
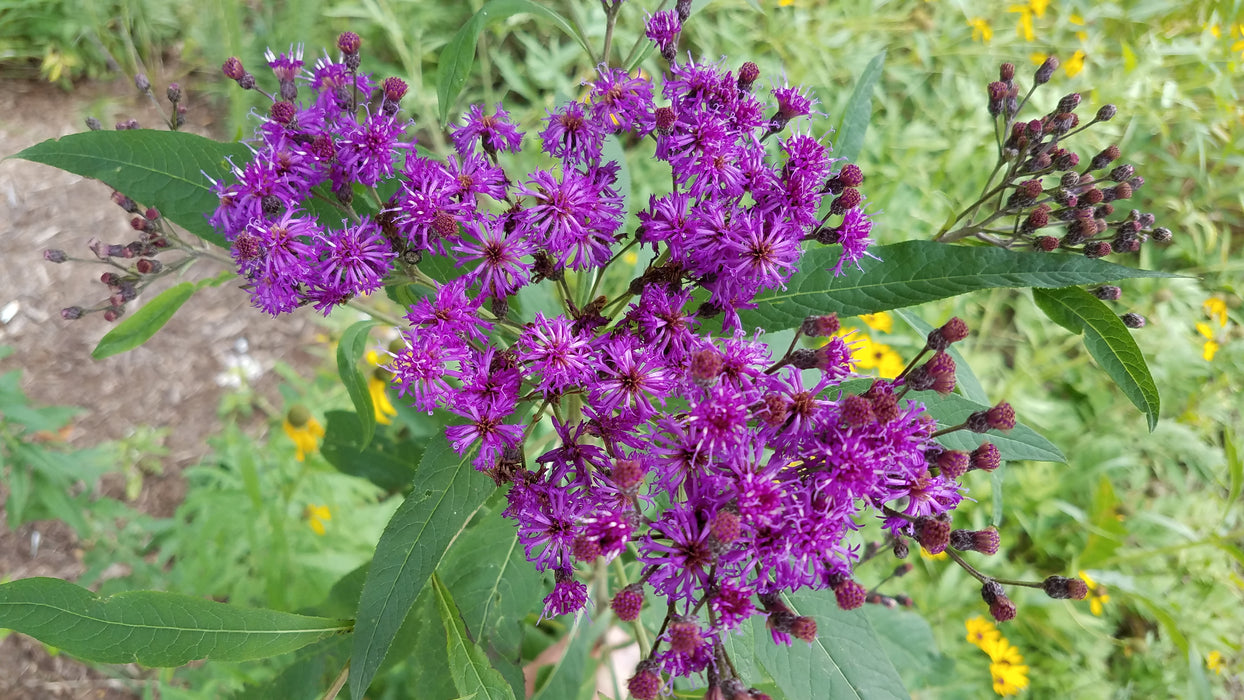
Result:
[1133,320]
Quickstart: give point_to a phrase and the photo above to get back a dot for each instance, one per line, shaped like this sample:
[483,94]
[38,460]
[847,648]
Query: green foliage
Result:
[469,667]
[168,170]
[350,350]
[446,496]
[916,272]
[151,628]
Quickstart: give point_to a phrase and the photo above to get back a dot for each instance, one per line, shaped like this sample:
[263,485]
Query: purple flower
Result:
[571,217]
[571,136]
[680,554]
[355,259]
[494,132]
[621,102]
[484,428]
[286,65]
[419,369]
[473,175]
[556,354]
[500,270]
[450,313]
[852,234]
[546,523]
[426,208]
[630,378]
[663,29]
[568,595]
[368,150]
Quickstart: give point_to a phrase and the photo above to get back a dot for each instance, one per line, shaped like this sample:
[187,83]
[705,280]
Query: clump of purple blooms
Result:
[731,474]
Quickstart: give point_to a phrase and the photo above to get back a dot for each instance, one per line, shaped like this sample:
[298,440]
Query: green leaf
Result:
[447,491]
[467,662]
[458,56]
[150,627]
[495,587]
[350,350]
[845,661]
[1235,472]
[859,110]
[909,643]
[168,170]
[915,272]
[1108,340]
[387,461]
[138,328]
[965,378]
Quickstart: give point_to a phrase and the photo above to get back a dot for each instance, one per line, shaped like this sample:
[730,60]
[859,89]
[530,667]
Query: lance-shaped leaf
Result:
[467,662]
[915,272]
[150,627]
[1107,339]
[458,56]
[350,350]
[859,110]
[846,660]
[168,170]
[447,491]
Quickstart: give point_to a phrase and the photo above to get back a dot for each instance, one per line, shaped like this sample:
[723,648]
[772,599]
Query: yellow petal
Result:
[1205,330]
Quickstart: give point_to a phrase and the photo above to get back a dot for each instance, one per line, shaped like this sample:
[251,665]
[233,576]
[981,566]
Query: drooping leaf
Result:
[138,328]
[150,627]
[467,662]
[458,56]
[849,139]
[168,170]
[350,350]
[845,661]
[447,491]
[387,461]
[1108,340]
[915,272]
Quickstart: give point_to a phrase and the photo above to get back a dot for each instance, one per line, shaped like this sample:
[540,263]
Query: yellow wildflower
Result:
[1211,346]
[935,557]
[981,631]
[380,398]
[1216,309]
[304,430]
[1008,679]
[1037,57]
[1214,662]
[1024,26]
[1075,19]
[866,353]
[1075,64]
[880,321]
[981,31]
[316,517]
[785,3]
[1098,596]
[1001,651]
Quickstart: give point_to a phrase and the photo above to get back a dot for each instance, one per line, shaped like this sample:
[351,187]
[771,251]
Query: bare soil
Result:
[169,382]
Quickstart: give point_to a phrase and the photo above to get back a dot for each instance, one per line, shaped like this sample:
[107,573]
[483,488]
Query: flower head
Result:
[1098,596]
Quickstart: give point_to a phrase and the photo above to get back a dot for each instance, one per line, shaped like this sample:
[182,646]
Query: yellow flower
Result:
[1098,596]
[981,31]
[1216,309]
[1008,679]
[1024,26]
[1037,57]
[1075,19]
[785,3]
[304,430]
[380,399]
[935,557]
[869,354]
[1075,64]
[1211,346]
[1001,651]
[880,321]
[1214,662]
[981,631]
[316,517]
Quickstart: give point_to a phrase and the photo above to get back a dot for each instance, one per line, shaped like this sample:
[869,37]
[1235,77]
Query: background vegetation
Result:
[1154,518]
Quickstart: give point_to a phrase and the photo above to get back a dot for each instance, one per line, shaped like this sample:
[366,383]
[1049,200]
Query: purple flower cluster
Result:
[729,473]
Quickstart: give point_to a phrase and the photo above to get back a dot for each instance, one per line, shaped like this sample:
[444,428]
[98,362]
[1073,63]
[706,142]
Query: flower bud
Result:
[233,69]
[1046,71]
[952,331]
[71,313]
[1106,112]
[850,595]
[55,256]
[991,591]
[953,464]
[628,602]
[1000,417]
[1069,102]
[748,73]
[986,457]
[933,534]
[142,83]
[1108,292]
[349,43]
[820,326]
[646,683]
[1002,609]
[726,526]
[93,124]
[685,636]
[1133,320]
[1006,72]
